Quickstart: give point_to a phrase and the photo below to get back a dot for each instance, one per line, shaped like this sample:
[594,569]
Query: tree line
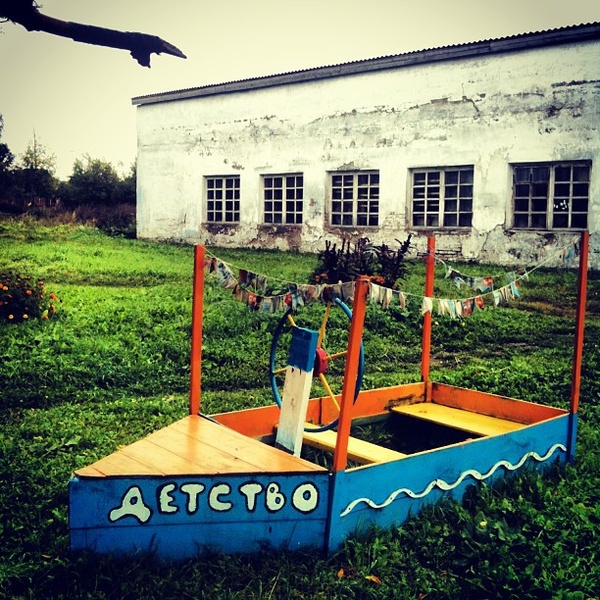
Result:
[31,181]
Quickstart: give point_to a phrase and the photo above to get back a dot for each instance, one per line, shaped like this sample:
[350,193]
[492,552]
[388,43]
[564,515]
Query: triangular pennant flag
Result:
[427,305]
[348,291]
[266,306]
[386,297]
[452,309]
[373,292]
[466,307]
[443,308]
[497,297]
[402,300]
[459,308]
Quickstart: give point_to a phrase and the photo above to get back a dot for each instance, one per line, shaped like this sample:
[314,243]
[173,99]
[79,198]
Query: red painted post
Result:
[579,321]
[429,277]
[359,305]
[197,315]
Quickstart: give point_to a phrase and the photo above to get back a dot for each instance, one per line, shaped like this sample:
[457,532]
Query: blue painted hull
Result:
[176,518]
[387,494]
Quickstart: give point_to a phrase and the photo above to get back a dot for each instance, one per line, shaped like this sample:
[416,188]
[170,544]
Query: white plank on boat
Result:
[296,392]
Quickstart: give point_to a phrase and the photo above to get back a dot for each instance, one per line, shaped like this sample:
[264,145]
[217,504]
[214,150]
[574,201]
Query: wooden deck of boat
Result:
[195,445]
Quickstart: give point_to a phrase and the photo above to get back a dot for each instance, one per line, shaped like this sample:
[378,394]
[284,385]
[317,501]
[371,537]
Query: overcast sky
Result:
[77,97]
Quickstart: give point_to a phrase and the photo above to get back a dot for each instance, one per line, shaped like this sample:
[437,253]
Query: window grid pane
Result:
[355,199]
[223,199]
[287,194]
[570,201]
[442,197]
[551,196]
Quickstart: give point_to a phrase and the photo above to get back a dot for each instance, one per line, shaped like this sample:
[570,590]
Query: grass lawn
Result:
[112,366]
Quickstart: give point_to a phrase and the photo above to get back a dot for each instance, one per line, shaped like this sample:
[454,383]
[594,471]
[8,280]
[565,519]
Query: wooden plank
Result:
[251,422]
[294,403]
[154,459]
[164,461]
[206,458]
[493,405]
[458,419]
[358,450]
[196,446]
[368,403]
[89,471]
[403,392]
[253,451]
[116,463]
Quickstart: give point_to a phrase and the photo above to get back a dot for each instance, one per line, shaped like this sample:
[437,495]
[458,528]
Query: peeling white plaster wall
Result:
[535,105]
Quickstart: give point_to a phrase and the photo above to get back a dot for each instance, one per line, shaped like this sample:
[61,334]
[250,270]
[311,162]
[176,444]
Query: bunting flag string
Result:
[269,295]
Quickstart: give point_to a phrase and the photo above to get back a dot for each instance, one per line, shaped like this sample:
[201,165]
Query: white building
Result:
[491,145]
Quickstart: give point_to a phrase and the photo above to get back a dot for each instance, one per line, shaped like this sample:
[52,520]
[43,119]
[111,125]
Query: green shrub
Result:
[22,297]
[382,264]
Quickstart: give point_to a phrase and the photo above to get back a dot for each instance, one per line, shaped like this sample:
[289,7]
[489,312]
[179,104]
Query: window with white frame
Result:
[551,195]
[355,199]
[223,199]
[442,197]
[283,199]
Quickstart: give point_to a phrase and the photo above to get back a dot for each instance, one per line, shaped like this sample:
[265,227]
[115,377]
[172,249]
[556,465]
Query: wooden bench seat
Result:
[456,418]
[358,450]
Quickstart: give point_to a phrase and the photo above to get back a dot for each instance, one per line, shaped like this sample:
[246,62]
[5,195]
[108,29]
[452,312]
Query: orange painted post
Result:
[579,321]
[429,277]
[197,315]
[359,306]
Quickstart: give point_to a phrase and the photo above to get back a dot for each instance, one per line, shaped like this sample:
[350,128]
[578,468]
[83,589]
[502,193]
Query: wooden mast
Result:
[359,304]
[197,316]
[579,321]
[429,277]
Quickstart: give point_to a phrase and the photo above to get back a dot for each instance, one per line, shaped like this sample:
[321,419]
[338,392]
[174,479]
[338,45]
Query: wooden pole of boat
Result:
[579,321]
[197,316]
[429,277]
[359,304]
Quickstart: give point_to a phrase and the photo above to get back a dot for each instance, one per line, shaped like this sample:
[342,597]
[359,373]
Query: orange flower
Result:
[26,316]
[11,317]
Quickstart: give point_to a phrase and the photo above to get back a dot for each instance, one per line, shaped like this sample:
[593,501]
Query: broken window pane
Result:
[555,205]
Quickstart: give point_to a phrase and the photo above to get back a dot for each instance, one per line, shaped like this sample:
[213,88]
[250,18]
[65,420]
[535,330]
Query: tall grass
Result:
[112,366]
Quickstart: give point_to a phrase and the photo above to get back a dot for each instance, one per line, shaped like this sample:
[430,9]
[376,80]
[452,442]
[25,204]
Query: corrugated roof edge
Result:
[521,41]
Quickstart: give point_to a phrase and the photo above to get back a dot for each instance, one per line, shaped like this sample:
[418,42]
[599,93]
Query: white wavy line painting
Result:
[443,485]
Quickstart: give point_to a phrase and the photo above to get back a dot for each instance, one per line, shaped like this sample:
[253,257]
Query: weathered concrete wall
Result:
[528,106]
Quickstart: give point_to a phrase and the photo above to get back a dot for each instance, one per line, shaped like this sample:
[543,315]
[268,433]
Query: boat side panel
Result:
[262,421]
[181,517]
[386,494]
[492,405]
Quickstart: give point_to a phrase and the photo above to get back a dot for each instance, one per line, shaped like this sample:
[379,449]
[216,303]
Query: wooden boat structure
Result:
[235,482]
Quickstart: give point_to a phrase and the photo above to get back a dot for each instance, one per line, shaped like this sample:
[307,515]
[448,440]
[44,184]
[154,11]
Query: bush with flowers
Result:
[22,298]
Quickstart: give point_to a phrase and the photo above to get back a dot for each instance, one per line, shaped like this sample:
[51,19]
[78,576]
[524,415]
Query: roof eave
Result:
[572,34]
